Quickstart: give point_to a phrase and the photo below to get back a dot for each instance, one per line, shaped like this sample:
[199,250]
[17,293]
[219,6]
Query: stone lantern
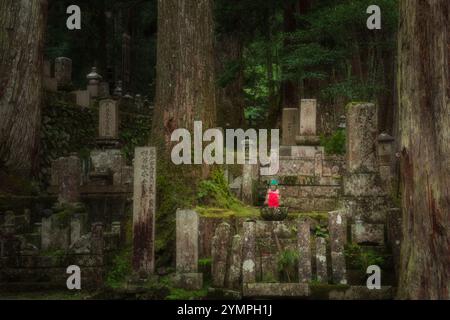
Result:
[94,82]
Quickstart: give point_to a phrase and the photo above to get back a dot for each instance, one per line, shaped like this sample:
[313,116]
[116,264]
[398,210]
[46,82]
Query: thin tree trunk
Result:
[230,95]
[424,124]
[22,28]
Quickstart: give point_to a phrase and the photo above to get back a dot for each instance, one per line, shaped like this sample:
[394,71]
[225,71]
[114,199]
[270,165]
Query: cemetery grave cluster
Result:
[334,202]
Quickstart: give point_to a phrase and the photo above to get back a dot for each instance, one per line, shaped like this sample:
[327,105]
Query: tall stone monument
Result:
[144,205]
[187,223]
[308,126]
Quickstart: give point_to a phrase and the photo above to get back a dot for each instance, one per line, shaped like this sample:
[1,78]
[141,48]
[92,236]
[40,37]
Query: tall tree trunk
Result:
[185,85]
[230,91]
[22,28]
[289,88]
[424,124]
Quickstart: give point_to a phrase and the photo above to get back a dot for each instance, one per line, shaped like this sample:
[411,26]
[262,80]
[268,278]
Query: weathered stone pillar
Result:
[249,177]
[219,254]
[75,229]
[321,259]
[46,231]
[308,126]
[97,251]
[248,255]
[289,126]
[234,275]
[108,120]
[337,227]
[144,204]
[63,71]
[66,174]
[361,138]
[187,222]
[304,250]
[385,155]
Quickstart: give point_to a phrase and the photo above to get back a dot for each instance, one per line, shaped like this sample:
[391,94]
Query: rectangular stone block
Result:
[144,206]
[321,259]
[187,241]
[82,98]
[188,281]
[108,119]
[266,290]
[289,126]
[304,250]
[249,248]
[361,138]
[219,254]
[306,151]
[234,273]
[368,233]
[308,114]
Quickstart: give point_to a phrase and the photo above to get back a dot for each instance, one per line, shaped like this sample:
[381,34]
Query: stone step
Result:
[268,290]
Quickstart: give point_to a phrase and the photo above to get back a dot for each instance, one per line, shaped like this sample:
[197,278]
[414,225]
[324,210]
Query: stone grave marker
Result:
[289,126]
[144,204]
[219,254]
[337,226]
[108,119]
[321,259]
[304,250]
[249,252]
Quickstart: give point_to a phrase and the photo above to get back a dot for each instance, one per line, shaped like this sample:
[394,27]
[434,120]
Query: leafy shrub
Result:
[334,144]
[362,259]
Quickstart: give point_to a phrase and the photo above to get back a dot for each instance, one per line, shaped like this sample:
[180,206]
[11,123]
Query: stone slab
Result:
[368,233]
[267,290]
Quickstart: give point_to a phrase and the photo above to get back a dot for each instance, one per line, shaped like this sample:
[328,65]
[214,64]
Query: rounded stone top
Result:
[384,137]
[94,75]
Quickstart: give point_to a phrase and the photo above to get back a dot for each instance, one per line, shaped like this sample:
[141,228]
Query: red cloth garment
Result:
[274,199]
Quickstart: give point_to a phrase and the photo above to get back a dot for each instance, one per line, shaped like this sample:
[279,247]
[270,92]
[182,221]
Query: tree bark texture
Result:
[22,30]
[424,124]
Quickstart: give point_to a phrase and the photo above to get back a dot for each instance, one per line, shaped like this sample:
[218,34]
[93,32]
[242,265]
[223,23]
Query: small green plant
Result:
[287,262]
[204,263]
[362,259]
[320,231]
[214,192]
[335,143]
[121,268]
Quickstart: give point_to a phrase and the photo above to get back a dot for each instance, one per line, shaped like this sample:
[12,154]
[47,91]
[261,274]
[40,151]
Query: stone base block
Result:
[224,294]
[367,233]
[362,293]
[265,290]
[307,140]
[367,209]
[363,185]
[188,281]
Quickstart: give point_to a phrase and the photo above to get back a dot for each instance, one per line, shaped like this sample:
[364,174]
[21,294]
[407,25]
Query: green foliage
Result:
[320,231]
[214,192]
[360,258]
[287,259]
[205,262]
[334,144]
[134,132]
[120,269]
